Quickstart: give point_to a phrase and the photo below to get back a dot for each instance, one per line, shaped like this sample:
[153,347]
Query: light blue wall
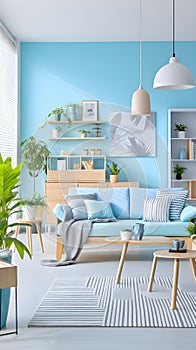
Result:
[55,74]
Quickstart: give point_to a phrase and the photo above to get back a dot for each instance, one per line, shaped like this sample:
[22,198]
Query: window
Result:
[8,96]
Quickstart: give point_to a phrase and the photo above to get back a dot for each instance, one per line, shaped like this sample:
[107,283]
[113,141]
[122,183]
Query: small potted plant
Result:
[57,112]
[83,133]
[191,228]
[114,170]
[73,111]
[179,170]
[30,206]
[56,132]
[181,128]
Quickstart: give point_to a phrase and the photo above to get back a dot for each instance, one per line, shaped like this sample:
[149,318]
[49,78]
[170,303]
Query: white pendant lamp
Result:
[140,100]
[174,75]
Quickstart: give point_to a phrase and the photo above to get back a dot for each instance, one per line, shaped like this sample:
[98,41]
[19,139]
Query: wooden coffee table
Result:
[145,240]
[165,254]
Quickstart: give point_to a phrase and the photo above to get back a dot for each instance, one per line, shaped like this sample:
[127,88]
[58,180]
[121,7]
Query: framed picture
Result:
[90,110]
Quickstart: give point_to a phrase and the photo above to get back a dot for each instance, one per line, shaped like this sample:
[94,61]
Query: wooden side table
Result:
[190,254]
[26,223]
[8,279]
[147,240]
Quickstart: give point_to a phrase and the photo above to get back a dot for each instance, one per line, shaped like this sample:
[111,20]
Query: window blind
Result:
[8,97]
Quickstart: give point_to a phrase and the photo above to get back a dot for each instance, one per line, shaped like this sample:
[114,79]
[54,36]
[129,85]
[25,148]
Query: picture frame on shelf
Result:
[90,110]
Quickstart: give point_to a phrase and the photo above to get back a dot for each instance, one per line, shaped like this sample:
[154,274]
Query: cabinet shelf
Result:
[77,138]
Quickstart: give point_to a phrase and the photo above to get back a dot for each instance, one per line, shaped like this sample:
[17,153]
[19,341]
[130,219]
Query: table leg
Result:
[40,237]
[154,264]
[193,264]
[175,283]
[121,262]
[29,234]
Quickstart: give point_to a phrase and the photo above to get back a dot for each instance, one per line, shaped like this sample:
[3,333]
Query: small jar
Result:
[99,151]
[92,152]
[85,151]
[182,153]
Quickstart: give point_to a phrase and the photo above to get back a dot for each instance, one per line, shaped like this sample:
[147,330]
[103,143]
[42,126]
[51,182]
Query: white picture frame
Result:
[89,110]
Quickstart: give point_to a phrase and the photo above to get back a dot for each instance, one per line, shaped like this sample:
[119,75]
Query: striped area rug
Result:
[98,302]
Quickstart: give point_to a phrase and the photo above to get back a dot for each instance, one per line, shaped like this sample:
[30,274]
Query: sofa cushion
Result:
[63,212]
[188,213]
[98,209]
[118,198]
[156,209]
[76,202]
[178,199]
[137,197]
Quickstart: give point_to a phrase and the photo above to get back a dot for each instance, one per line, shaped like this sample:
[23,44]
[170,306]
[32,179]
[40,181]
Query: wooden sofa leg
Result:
[59,248]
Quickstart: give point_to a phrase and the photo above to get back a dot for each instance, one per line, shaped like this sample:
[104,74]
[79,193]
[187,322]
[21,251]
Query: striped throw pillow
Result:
[178,199]
[156,209]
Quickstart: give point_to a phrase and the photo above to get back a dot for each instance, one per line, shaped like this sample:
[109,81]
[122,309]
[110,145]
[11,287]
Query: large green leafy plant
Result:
[9,205]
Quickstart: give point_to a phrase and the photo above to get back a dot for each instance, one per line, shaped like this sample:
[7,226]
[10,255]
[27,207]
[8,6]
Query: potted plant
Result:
[179,170]
[114,170]
[73,111]
[56,132]
[181,128]
[57,112]
[30,205]
[34,156]
[9,207]
[191,228]
[84,133]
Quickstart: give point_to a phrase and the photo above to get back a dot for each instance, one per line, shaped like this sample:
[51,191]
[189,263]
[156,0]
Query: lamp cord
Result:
[140,45]
[173,27]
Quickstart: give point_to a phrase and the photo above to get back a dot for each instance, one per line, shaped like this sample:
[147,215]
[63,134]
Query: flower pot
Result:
[83,135]
[181,134]
[6,255]
[178,176]
[29,213]
[58,117]
[55,133]
[113,178]
[193,239]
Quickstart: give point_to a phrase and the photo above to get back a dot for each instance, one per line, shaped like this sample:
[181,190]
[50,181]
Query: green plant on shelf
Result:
[191,228]
[114,168]
[181,127]
[179,169]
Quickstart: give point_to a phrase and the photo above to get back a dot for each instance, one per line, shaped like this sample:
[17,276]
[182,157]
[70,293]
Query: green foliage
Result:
[9,204]
[58,110]
[191,228]
[34,156]
[179,169]
[181,127]
[83,131]
[114,168]
[36,201]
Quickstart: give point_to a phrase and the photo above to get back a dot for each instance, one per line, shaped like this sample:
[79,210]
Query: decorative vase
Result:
[193,239]
[182,154]
[181,134]
[6,255]
[126,234]
[178,176]
[113,178]
[55,133]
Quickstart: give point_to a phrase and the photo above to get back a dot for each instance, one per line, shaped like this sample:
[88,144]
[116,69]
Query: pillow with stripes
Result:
[178,199]
[156,209]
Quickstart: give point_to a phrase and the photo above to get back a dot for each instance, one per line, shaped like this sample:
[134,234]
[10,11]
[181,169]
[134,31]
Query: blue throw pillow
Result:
[188,213]
[63,212]
[99,209]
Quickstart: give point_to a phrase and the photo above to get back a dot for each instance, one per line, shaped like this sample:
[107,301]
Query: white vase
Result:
[181,134]
[193,239]
[29,212]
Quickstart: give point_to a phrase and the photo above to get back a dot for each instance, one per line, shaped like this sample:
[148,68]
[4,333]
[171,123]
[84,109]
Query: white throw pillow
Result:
[156,209]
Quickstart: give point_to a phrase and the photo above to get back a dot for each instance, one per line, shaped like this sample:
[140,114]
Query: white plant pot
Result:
[126,234]
[83,135]
[181,134]
[55,133]
[193,239]
[29,213]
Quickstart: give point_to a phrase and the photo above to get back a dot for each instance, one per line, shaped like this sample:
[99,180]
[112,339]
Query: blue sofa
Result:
[127,205]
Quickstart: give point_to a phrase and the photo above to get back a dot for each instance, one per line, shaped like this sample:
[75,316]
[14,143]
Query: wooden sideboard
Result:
[54,192]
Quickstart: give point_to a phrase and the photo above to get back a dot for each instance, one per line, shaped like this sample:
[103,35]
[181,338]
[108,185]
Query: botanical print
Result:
[132,136]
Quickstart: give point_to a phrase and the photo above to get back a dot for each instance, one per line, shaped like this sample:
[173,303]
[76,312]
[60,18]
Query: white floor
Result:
[34,281]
